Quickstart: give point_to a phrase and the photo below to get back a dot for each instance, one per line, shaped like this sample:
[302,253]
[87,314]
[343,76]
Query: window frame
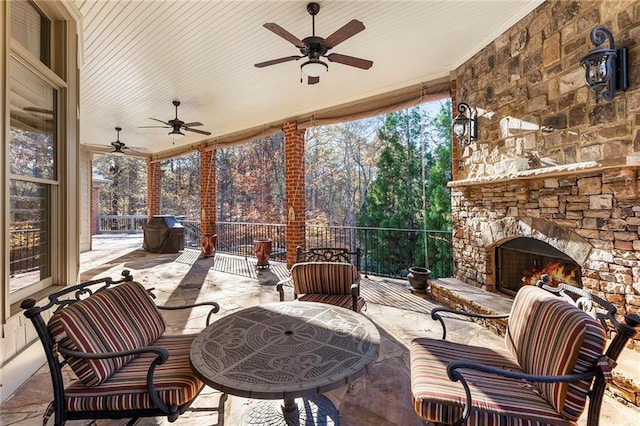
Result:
[50,73]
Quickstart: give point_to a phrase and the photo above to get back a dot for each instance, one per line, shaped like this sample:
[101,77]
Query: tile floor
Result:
[381,397]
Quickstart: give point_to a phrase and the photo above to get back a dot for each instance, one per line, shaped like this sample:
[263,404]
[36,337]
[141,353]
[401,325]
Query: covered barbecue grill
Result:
[163,234]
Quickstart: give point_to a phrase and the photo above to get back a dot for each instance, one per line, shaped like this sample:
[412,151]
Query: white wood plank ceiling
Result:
[139,56]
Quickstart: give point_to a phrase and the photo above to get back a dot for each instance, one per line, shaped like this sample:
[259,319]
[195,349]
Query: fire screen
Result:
[522,261]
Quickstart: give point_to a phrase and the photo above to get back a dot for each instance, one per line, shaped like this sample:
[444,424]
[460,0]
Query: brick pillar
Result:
[455,149]
[153,188]
[295,205]
[207,201]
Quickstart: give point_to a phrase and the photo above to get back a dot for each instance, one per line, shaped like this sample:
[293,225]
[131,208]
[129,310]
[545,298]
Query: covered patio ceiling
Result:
[139,56]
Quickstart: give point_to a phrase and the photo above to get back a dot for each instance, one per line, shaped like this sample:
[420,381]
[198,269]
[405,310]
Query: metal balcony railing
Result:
[117,224]
[25,253]
[385,251]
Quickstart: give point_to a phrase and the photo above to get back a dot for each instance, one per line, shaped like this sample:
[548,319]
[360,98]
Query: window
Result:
[35,91]
[32,183]
[31,28]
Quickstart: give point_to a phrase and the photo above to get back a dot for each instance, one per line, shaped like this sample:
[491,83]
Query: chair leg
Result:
[219,409]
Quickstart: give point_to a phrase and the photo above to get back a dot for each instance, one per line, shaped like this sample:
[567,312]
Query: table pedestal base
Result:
[316,410]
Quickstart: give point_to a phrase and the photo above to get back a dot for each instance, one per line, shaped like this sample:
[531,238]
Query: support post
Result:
[208,237]
[295,190]
[153,188]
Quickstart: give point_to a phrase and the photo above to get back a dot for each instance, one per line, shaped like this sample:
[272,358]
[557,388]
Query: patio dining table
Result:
[287,351]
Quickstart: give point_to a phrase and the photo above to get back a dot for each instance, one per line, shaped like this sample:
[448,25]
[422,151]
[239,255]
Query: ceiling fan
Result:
[313,47]
[176,125]
[118,148]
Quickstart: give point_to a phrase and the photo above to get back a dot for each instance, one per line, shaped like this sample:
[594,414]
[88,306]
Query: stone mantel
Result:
[618,169]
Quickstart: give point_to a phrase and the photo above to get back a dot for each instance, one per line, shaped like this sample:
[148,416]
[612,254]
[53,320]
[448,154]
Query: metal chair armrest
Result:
[280,286]
[161,352]
[215,308]
[435,315]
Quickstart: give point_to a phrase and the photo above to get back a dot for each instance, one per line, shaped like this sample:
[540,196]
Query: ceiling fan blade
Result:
[313,80]
[350,60]
[277,61]
[163,122]
[348,30]
[193,124]
[202,132]
[154,127]
[277,29]
[99,148]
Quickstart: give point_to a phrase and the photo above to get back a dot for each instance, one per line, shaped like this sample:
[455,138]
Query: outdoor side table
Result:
[284,351]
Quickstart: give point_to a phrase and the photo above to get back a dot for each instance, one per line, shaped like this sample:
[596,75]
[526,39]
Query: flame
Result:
[559,272]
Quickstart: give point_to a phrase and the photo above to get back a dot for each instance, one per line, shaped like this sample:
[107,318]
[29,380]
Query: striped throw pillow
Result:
[120,318]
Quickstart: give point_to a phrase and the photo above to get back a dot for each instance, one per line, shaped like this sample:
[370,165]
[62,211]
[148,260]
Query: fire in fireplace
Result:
[522,261]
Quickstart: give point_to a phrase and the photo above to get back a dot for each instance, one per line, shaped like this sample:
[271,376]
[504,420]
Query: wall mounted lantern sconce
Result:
[465,125]
[606,68]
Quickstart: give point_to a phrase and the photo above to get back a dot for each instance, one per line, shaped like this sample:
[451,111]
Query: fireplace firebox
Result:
[521,261]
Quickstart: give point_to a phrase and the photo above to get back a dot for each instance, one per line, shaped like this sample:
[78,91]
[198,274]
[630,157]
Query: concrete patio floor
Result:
[380,397]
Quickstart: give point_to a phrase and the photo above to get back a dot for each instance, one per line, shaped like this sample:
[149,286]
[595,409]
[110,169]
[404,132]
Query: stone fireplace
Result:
[588,221]
[551,170]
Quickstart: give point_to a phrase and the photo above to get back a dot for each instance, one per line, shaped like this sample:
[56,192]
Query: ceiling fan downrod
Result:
[313,9]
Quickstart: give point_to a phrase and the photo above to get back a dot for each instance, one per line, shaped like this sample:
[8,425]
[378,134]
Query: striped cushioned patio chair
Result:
[554,351]
[328,282]
[113,338]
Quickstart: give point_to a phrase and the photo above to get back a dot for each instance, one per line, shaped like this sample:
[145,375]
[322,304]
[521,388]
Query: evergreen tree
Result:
[437,194]
[411,141]
[438,160]
[394,199]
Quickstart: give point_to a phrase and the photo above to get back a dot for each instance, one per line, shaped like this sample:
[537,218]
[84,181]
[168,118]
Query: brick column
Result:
[295,205]
[153,188]
[207,201]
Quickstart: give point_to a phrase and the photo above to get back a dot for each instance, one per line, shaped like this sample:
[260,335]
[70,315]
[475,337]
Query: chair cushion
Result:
[496,400]
[549,336]
[323,277]
[127,388]
[119,318]
[343,301]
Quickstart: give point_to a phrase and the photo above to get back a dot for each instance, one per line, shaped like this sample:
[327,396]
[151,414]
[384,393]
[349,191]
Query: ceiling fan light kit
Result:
[176,133]
[313,47]
[314,68]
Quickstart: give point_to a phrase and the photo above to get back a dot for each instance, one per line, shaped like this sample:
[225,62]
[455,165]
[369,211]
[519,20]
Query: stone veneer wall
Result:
[549,162]
[534,107]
